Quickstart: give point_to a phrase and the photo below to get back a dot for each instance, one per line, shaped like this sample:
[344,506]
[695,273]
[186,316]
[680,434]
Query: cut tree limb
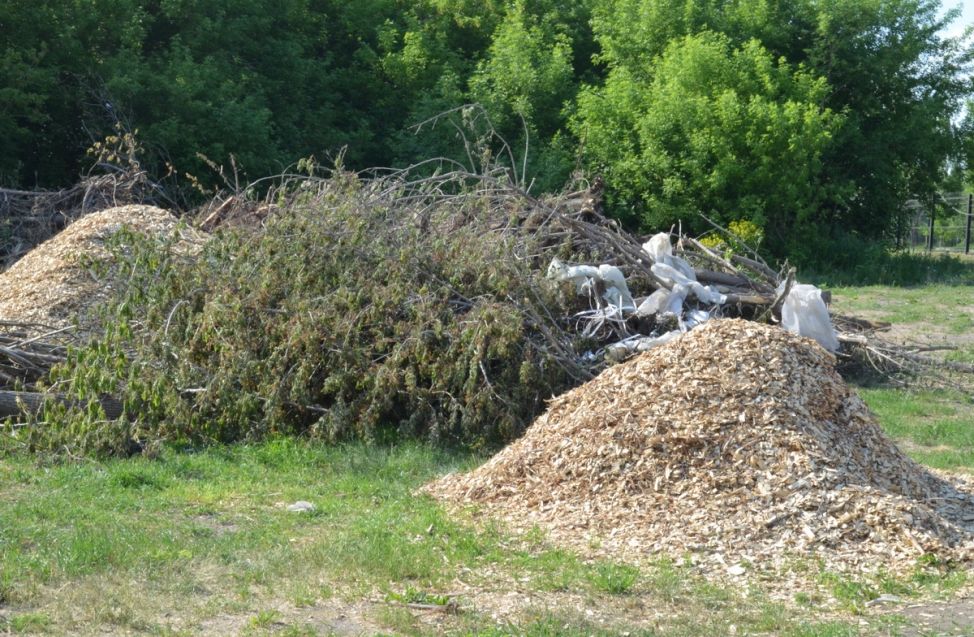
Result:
[16,403]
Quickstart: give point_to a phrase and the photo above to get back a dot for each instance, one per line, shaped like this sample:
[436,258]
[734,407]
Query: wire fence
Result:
[942,224]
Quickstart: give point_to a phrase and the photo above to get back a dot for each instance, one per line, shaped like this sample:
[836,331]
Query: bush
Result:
[743,236]
[352,315]
[726,130]
[848,259]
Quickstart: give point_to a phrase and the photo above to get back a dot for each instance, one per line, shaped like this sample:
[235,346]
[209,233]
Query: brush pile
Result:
[737,443]
[488,302]
[49,297]
[29,217]
[116,178]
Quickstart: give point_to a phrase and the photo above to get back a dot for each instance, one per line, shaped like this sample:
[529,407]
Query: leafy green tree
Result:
[523,65]
[900,83]
[527,72]
[51,54]
[721,130]
[896,81]
[524,82]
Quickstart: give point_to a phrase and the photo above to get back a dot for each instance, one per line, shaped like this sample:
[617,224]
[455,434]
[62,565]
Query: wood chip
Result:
[737,438]
[53,282]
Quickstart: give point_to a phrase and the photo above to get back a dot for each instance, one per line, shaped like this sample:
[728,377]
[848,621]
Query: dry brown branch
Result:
[29,217]
[13,403]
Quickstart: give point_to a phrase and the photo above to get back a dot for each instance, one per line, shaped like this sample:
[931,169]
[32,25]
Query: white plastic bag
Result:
[804,313]
[653,303]
[670,275]
[707,294]
[616,290]
[580,275]
[661,252]
[583,276]
[695,318]
[674,302]
[658,247]
[618,352]
[674,277]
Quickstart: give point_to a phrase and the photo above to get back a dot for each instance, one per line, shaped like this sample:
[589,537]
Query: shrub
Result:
[849,259]
[744,236]
[352,314]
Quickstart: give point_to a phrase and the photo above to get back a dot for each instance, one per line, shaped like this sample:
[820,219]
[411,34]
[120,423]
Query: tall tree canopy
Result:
[725,130]
[804,116]
[887,84]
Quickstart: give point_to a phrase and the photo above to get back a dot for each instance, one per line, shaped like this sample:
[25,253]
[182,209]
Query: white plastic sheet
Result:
[674,277]
[616,292]
[658,247]
[580,275]
[618,352]
[653,303]
[804,313]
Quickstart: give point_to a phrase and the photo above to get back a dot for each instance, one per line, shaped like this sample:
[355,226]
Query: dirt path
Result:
[954,618]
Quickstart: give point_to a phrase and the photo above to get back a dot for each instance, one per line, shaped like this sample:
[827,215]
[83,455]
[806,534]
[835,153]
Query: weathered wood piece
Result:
[15,403]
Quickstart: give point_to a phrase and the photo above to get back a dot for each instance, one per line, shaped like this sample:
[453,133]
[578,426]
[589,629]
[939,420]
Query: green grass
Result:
[947,307]
[936,427]
[201,543]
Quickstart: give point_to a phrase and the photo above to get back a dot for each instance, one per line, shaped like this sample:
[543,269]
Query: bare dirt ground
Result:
[955,618]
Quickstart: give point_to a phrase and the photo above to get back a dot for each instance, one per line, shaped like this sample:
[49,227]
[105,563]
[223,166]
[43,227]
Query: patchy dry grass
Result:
[936,427]
[202,543]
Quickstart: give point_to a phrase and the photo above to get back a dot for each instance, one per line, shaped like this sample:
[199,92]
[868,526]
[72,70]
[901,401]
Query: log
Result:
[17,403]
[722,278]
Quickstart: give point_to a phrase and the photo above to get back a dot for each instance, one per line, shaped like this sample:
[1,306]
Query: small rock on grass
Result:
[737,569]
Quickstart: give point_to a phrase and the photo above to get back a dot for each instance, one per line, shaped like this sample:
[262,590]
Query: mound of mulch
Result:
[54,282]
[736,443]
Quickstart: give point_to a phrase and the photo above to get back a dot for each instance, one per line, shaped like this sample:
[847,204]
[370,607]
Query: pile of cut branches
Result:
[407,303]
[29,217]
[116,178]
[26,357]
[28,351]
[866,350]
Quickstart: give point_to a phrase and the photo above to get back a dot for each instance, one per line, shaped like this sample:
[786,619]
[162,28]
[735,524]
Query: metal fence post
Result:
[967,234]
[930,233]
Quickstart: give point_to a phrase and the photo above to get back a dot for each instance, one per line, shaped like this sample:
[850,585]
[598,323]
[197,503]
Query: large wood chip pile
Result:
[53,282]
[735,443]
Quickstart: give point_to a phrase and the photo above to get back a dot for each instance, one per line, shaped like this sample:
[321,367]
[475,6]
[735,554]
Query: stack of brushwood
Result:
[569,228]
[29,217]
[28,349]
[26,357]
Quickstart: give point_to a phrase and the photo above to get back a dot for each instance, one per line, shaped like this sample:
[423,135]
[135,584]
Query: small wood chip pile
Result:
[53,282]
[736,443]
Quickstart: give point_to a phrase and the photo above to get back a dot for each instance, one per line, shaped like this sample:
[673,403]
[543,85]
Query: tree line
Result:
[813,119]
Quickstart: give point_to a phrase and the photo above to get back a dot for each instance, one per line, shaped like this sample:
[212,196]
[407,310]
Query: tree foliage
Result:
[887,84]
[726,131]
[828,113]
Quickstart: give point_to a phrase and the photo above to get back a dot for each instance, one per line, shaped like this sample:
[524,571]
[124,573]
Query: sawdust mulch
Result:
[737,444]
[53,283]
